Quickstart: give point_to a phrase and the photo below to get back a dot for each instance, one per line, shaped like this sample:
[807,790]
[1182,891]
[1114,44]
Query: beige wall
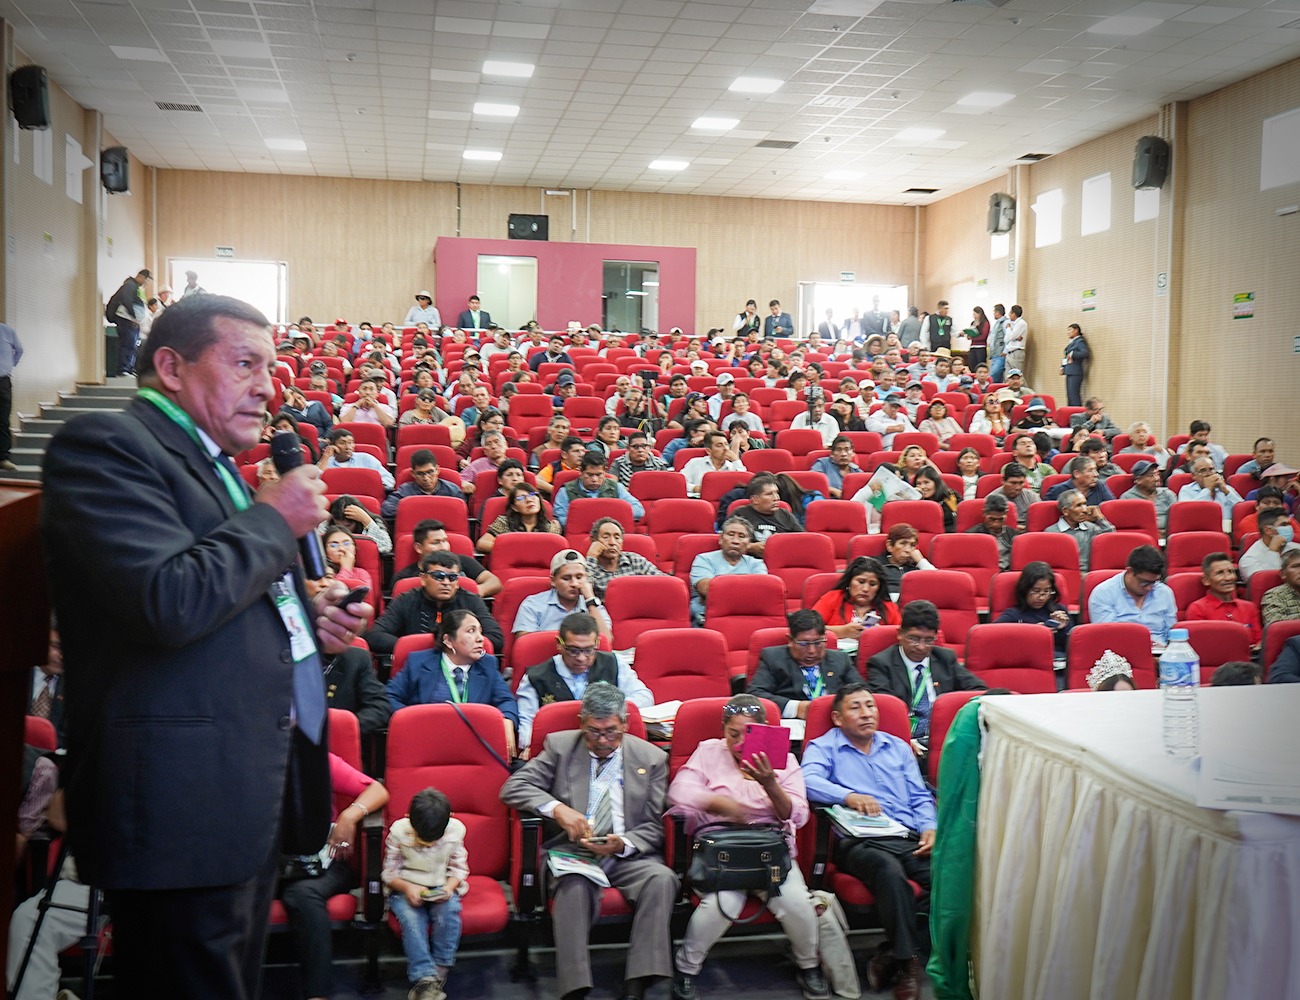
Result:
[1240,375]
[360,248]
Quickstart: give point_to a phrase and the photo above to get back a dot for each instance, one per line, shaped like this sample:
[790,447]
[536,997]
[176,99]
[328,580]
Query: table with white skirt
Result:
[1098,876]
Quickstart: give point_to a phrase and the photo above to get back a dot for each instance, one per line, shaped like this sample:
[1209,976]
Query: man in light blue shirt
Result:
[838,464]
[862,769]
[1210,485]
[571,590]
[731,559]
[593,481]
[424,311]
[11,352]
[1137,595]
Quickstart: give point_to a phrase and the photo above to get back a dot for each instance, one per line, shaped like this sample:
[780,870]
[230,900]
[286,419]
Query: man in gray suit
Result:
[606,792]
[794,674]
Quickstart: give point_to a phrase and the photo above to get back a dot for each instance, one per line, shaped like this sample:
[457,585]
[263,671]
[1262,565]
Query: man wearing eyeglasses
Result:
[578,663]
[639,457]
[918,671]
[1137,595]
[803,669]
[606,791]
[418,612]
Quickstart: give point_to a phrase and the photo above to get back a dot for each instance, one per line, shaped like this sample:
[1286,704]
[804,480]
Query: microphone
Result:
[286,454]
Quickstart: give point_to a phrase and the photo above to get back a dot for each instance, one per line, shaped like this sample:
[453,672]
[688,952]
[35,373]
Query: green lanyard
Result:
[238,495]
[458,695]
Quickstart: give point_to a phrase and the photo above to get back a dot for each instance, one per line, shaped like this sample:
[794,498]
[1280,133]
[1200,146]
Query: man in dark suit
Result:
[918,671]
[194,677]
[46,696]
[474,318]
[778,324]
[598,782]
[794,674]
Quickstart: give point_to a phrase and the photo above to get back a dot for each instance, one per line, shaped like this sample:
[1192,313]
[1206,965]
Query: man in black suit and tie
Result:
[778,324]
[474,318]
[794,674]
[918,671]
[606,792]
[46,701]
[194,679]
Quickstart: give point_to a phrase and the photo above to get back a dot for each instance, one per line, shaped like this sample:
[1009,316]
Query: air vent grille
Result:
[1033,157]
[921,191]
[173,106]
[777,144]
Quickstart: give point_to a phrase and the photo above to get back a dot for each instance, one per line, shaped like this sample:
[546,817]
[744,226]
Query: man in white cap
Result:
[424,311]
[726,389]
[890,419]
[499,344]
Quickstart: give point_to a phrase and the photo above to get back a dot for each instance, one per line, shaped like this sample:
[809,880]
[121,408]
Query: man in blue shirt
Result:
[424,483]
[1137,595]
[593,481]
[11,352]
[860,768]
[1084,478]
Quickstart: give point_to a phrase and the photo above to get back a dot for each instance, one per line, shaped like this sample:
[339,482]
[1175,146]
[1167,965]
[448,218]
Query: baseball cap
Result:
[866,383]
[691,397]
[700,363]
[340,321]
[915,384]
[317,368]
[726,377]
[1015,371]
[1037,404]
[564,557]
[840,397]
[894,397]
[1140,469]
[565,378]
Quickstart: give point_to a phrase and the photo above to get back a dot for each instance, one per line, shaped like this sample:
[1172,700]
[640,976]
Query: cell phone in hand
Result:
[432,895]
[602,839]
[352,597]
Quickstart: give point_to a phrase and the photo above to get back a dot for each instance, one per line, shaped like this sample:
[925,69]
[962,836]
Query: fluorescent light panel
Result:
[755,85]
[984,99]
[715,124]
[287,145]
[1125,25]
[486,155]
[670,165]
[489,109]
[497,67]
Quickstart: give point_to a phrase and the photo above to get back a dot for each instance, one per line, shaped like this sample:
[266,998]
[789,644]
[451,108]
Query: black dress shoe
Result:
[880,969]
[684,987]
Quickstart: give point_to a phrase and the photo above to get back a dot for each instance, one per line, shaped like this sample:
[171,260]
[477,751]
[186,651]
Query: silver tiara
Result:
[1109,665]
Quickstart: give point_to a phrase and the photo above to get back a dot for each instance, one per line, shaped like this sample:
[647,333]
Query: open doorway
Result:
[842,298]
[260,283]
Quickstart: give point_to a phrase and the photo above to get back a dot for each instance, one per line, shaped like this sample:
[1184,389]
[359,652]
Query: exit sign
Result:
[226,252]
[848,275]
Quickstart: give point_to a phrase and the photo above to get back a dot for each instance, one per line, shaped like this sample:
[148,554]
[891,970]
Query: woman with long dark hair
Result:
[859,600]
[524,512]
[1074,364]
[1038,603]
[929,481]
[979,343]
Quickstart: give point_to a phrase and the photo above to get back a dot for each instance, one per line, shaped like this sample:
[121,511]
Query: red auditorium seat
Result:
[637,604]
[683,663]
[1013,656]
[738,605]
[1128,639]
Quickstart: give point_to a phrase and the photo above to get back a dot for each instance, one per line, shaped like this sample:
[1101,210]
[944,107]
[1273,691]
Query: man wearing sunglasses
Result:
[803,669]
[605,790]
[578,662]
[1137,595]
[418,612]
[918,671]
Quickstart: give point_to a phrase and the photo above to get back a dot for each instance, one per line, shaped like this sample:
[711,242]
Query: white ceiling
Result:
[384,88]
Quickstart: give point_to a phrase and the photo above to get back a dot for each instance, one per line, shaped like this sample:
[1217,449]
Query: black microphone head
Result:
[286,451]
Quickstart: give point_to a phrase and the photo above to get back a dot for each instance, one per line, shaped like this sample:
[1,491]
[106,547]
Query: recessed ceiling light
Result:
[984,99]
[715,124]
[670,165]
[496,110]
[287,145]
[919,134]
[1125,25]
[845,175]
[755,85]
[487,155]
[494,67]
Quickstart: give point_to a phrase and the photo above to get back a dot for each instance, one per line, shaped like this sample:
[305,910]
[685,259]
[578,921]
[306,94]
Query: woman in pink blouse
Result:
[715,786]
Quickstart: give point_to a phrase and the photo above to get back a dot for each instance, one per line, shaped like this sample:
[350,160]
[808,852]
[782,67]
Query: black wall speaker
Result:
[29,97]
[1002,213]
[115,169]
[1150,162]
[528,227]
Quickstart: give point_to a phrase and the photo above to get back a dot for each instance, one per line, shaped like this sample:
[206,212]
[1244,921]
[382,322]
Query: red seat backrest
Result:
[1130,640]
[945,709]
[637,604]
[701,719]
[682,663]
[1013,656]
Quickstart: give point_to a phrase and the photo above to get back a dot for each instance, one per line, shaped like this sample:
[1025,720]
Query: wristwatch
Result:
[594,601]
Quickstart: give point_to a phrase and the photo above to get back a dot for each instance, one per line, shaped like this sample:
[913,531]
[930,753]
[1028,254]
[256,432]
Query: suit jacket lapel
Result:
[578,773]
[172,437]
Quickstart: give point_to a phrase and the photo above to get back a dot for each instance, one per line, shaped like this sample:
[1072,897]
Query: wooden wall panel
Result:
[1241,375]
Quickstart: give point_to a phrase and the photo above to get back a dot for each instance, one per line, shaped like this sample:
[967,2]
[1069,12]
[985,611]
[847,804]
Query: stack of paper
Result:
[852,823]
[559,863]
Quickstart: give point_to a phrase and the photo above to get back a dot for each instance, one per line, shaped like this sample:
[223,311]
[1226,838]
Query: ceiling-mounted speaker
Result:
[528,227]
[1150,162]
[115,170]
[1002,213]
[29,97]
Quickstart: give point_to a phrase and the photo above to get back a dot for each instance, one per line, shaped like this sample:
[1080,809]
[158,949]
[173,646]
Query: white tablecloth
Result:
[1099,877]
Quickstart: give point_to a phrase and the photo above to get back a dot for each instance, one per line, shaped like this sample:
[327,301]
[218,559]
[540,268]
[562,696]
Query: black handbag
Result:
[743,858]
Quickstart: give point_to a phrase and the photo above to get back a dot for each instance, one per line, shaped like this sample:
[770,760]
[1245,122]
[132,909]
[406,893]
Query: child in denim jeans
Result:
[425,868]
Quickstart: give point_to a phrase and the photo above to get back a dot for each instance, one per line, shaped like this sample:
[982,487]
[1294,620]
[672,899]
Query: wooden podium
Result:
[26,622]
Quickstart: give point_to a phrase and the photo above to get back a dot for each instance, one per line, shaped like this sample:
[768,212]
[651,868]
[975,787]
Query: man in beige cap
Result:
[424,311]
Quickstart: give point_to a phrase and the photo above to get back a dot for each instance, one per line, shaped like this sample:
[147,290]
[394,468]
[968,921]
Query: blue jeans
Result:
[443,919]
[997,366]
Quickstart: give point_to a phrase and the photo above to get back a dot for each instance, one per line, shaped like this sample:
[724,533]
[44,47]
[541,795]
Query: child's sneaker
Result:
[428,988]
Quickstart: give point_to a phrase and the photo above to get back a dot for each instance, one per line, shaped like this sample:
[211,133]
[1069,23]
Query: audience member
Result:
[341,558]
[557,432]
[1137,595]
[424,482]
[1260,459]
[348,512]
[1111,672]
[1220,604]
[1276,537]
[639,457]
[838,464]
[351,685]
[606,558]
[1080,521]
[418,612]
[803,669]
[601,782]
[857,766]
[1210,485]
[858,601]
[524,512]
[340,452]
[929,483]
[730,559]
[1286,668]
[1143,442]
[763,512]
[902,555]
[572,451]
[1236,673]
[994,523]
[578,663]
[718,457]
[717,785]
[1199,433]
[1146,486]
[425,873]
[890,419]
[1038,603]
[593,482]
[571,590]
[1084,479]
[1282,603]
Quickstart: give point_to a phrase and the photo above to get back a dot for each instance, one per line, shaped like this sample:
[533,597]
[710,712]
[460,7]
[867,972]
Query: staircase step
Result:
[94,402]
[123,392]
[60,414]
[26,440]
[41,425]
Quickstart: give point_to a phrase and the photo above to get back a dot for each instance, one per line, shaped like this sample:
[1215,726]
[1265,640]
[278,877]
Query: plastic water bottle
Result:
[1180,677]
